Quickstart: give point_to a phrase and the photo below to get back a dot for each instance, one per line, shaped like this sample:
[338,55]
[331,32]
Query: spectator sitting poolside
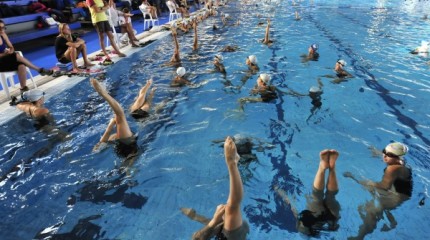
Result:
[12,61]
[68,47]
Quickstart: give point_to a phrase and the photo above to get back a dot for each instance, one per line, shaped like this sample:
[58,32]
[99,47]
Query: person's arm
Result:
[8,43]
[106,134]
[233,216]
[390,174]
[213,227]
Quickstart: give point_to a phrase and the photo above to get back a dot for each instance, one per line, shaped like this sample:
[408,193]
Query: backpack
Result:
[6,11]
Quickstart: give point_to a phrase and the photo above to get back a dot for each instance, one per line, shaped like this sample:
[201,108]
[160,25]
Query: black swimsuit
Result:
[139,113]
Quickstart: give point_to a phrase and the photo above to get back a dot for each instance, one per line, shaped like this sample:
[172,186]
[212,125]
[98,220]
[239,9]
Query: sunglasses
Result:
[388,154]
[3,27]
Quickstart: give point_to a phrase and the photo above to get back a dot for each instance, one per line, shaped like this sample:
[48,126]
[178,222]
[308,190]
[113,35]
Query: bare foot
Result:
[332,158]
[324,158]
[88,64]
[98,87]
[230,151]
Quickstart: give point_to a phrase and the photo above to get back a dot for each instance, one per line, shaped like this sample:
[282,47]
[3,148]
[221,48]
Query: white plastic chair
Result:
[173,12]
[113,22]
[8,77]
[148,21]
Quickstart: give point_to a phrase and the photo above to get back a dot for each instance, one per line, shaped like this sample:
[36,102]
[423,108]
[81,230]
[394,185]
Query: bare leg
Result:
[71,53]
[147,105]
[22,75]
[83,49]
[195,45]
[266,37]
[320,175]
[113,43]
[175,57]
[141,98]
[27,63]
[233,217]
[102,43]
[123,130]
[332,179]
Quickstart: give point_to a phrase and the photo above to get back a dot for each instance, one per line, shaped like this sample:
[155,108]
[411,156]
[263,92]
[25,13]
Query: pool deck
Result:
[53,86]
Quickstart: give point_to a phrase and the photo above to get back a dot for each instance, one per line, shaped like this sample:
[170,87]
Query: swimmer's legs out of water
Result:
[233,216]
[327,161]
[140,101]
[123,130]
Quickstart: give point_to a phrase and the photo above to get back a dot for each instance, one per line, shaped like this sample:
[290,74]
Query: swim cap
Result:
[265,77]
[219,58]
[396,148]
[314,89]
[32,95]
[342,62]
[314,46]
[174,24]
[252,59]
[181,71]
[424,43]
[226,15]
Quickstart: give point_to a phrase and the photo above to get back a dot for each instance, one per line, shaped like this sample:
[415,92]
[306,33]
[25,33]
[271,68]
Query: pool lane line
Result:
[372,83]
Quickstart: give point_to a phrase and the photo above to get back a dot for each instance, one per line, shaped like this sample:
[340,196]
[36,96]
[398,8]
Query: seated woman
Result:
[227,222]
[179,8]
[125,141]
[180,80]
[12,61]
[68,47]
[263,88]
[394,188]
[152,10]
[141,107]
[124,19]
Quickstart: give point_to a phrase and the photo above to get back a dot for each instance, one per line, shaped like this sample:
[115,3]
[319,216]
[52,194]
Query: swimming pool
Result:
[53,185]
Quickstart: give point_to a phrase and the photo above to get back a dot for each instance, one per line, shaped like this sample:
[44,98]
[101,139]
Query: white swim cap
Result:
[32,95]
[396,148]
[252,59]
[265,77]
[314,46]
[181,71]
[219,58]
[342,62]
[314,89]
[424,43]
[226,15]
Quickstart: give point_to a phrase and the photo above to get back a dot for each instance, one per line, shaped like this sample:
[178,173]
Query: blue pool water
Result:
[53,185]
